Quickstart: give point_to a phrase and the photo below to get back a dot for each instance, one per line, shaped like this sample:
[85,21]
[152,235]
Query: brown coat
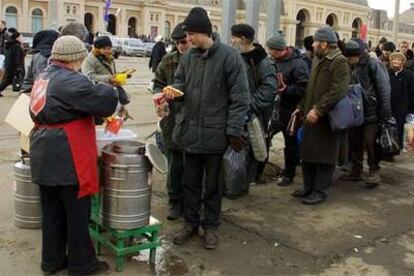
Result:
[328,84]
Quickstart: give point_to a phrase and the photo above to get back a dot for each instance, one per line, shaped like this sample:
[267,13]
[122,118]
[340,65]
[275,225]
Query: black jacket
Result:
[375,83]
[216,99]
[296,76]
[70,96]
[261,75]
[402,94]
[4,37]
[14,60]
[158,51]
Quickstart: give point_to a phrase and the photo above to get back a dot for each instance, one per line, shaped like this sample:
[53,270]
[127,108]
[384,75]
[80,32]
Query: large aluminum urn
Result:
[126,194]
[27,209]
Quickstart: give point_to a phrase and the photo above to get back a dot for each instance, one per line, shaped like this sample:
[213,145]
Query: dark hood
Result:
[255,56]
[43,42]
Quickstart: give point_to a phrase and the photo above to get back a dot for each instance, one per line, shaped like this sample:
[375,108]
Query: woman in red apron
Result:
[63,155]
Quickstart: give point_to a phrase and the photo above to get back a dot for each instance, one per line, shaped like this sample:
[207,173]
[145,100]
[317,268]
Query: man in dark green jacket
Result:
[164,75]
[327,85]
[261,75]
[215,106]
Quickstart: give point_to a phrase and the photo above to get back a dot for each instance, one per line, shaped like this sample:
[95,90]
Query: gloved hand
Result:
[238,143]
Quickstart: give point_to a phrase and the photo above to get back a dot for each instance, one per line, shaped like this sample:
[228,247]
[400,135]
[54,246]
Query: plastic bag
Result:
[257,139]
[388,138]
[409,133]
[235,173]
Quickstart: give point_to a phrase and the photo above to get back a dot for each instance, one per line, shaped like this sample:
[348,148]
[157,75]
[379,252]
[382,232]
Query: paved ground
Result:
[268,232]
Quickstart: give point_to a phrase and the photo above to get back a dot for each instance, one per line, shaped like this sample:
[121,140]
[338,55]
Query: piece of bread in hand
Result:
[177,93]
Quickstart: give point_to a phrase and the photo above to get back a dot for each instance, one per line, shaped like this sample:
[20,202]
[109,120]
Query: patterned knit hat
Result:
[68,48]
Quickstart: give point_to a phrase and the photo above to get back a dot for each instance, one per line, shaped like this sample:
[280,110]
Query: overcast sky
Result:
[388,5]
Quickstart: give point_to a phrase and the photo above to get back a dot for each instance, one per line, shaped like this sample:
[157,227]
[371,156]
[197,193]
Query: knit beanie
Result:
[178,32]
[398,55]
[389,46]
[197,21]
[352,49]
[308,43]
[245,30]
[102,41]
[68,48]
[75,29]
[326,34]
[277,42]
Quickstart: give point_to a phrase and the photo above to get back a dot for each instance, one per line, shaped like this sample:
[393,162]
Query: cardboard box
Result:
[19,118]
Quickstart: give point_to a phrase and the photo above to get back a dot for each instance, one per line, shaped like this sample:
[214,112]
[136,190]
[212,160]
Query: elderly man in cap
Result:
[164,75]
[293,78]
[63,156]
[328,84]
[370,75]
[261,75]
[215,106]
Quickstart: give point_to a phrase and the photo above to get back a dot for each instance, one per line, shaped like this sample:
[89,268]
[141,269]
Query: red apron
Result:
[82,142]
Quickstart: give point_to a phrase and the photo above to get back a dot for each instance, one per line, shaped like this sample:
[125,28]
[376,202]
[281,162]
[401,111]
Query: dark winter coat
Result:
[375,84]
[4,37]
[296,76]
[158,51]
[410,61]
[42,48]
[14,60]
[328,84]
[165,76]
[216,99]
[70,96]
[402,94]
[261,75]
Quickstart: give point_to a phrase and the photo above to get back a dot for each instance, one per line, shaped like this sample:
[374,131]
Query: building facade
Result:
[152,17]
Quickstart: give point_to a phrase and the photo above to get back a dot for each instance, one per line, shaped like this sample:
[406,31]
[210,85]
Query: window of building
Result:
[74,9]
[37,20]
[152,17]
[11,17]
[157,17]
[167,30]
[68,9]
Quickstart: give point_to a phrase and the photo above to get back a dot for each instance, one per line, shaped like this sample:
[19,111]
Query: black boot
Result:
[301,193]
[314,198]
[174,212]
[284,181]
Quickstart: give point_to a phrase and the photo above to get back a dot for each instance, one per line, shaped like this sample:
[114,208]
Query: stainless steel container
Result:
[27,209]
[126,194]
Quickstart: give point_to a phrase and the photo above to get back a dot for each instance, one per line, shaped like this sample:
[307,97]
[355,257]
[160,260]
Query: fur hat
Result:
[398,55]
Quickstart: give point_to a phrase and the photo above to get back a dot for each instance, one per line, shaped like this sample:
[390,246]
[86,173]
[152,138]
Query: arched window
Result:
[356,27]
[331,20]
[302,18]
[132,27]
[37,20]
[167,30]
[112,24]
[88,21]
[11,17]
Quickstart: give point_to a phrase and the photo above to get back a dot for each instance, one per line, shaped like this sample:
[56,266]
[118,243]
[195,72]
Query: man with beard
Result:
[293,78]
[328,83]
[215,106]
[165,76]
[261,75]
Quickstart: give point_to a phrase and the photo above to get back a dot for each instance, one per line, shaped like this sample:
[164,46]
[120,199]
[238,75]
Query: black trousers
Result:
[317,177]
[360,136]
[6,82]
[65,229]
[175,177]
[198,198]
[291,150]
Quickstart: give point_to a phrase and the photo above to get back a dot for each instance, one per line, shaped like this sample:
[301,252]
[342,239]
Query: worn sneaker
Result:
[174,212]
[284,181]
[185,234]
[301,193]
[373,180]
[210,239]
[314,198]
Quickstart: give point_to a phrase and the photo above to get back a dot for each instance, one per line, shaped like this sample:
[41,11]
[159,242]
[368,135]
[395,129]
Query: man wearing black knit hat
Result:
[261,75]
[215,106]
[164,75]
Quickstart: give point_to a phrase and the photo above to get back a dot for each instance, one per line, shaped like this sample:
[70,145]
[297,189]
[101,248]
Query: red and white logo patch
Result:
[38,96]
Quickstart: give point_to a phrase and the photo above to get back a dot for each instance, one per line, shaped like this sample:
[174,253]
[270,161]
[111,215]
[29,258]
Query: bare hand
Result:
[312,117]
[168,93]
[113,81]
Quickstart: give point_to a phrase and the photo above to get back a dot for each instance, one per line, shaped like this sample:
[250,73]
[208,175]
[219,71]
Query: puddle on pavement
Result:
[165,262]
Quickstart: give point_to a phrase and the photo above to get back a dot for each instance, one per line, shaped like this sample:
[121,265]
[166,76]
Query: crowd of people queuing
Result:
[224,87]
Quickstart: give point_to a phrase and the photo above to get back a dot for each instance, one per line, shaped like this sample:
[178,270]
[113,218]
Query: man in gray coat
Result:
[261,75]
[215,106]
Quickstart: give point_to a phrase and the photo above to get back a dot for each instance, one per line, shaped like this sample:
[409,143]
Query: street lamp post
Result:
[396,24]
